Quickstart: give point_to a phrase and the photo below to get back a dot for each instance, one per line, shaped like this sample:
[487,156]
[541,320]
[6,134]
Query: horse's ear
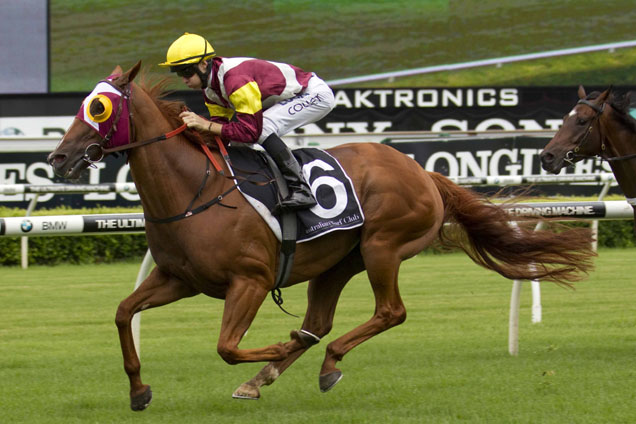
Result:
[126,78]
[132,72]
[581,93]
[117,70]
[604,95]
[129,75]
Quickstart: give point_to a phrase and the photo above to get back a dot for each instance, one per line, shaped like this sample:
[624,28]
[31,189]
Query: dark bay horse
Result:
[599,125]
[232,254]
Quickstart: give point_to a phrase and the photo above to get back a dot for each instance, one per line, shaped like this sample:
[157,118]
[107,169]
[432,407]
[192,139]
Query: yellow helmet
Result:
[188,49]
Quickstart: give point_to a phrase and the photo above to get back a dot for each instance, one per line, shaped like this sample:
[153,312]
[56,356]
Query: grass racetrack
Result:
[340,39]
[60,360]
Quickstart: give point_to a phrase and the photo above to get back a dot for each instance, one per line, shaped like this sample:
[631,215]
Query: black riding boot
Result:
[300,196]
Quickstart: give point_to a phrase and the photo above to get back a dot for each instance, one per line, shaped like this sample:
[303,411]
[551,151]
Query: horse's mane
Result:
[156,90]
[621,104]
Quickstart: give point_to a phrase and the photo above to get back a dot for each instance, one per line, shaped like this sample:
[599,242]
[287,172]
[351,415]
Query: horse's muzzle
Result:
[550,163]
[62,166]
[57,162]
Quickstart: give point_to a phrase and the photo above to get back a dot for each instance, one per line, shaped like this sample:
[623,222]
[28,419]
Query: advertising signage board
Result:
[357,111]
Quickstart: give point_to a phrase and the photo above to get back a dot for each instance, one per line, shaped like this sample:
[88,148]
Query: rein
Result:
[168,135]
[145,142]
[101,150]
[617,158]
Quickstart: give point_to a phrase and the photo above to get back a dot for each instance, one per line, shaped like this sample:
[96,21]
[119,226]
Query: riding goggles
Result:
[186,72]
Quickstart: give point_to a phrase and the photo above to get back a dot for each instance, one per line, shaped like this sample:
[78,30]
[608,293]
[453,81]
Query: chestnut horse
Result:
[599,125]
[232,254]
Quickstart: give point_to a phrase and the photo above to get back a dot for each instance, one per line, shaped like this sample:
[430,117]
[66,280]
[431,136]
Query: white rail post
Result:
[24,241]
[513,323]
[515,305]
[536,289]
[146,264]
[536,301]
[594,225]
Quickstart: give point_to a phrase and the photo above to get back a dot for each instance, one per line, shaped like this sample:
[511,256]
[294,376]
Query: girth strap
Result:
[289,231]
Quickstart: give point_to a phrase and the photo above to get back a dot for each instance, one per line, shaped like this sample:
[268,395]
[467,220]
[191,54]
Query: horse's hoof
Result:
[246,391]
[305,338]
[327,381]
[141,402]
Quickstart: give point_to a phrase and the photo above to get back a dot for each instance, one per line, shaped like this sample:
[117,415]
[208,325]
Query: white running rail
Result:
[486,62]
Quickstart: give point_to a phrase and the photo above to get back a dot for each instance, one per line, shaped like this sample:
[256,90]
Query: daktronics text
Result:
[427,98]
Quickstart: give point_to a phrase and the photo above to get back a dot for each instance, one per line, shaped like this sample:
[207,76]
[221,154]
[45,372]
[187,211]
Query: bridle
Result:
[102,149]
[573,155]
[102,146]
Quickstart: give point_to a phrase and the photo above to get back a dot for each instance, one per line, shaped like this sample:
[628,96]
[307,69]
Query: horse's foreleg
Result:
[322,297]
[156,290]
[382,270]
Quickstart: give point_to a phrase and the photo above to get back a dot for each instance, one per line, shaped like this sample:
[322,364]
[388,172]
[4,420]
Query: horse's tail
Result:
[489,238]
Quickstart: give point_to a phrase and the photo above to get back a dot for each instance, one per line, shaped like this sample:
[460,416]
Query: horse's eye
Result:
[100,108]
[97,107]
[580,121]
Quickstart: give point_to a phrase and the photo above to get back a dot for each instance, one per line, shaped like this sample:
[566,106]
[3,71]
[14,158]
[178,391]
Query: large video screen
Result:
[24,67]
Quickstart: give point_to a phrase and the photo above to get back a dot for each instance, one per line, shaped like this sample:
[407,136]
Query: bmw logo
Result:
[26,226]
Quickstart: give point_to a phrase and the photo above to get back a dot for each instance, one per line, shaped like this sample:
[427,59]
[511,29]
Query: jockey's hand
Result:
[192,120]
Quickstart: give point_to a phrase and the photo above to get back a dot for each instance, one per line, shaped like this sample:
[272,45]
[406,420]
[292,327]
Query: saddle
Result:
[338,206]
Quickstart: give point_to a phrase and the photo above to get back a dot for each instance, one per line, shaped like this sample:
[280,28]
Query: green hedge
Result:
[113,248]
[53,250]
[75,249]
[616,234]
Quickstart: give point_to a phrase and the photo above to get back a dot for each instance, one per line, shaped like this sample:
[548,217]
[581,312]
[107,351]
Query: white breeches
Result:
[311,105]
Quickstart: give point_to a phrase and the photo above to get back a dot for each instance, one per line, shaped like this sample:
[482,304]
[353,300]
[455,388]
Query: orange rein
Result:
[171,134]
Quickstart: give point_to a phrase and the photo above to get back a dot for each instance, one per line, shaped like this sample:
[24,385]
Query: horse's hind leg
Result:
[156,290]
[323,293]
[382,269]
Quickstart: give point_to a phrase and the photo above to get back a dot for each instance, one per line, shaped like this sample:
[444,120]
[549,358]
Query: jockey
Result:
[253,101]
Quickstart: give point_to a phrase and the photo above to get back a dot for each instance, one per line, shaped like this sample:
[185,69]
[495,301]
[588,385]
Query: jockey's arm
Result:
[197,122]
[247,112]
